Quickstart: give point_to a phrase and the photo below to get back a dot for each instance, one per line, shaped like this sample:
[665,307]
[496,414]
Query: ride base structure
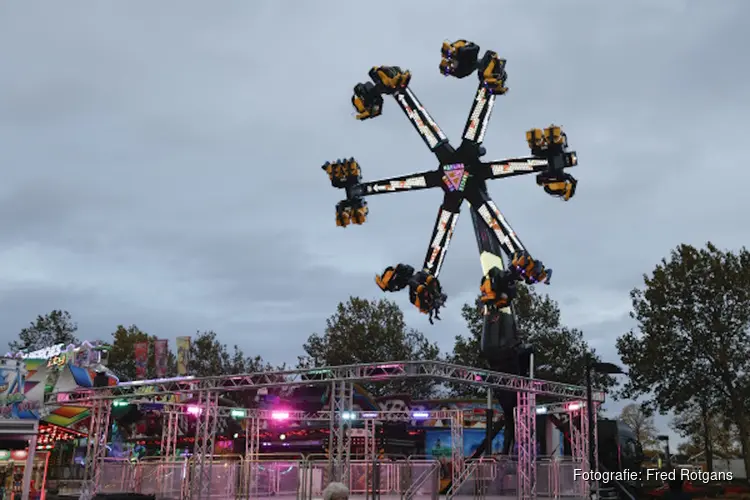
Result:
[462,175]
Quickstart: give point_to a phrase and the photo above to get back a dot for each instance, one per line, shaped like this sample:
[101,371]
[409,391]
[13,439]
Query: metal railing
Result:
[305,477]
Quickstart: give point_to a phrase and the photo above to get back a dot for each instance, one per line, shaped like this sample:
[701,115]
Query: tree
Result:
[122,355]
[707,430]
[56,327]
[559,352]
[691,347]
[208,357]
[364,331]
[641,423]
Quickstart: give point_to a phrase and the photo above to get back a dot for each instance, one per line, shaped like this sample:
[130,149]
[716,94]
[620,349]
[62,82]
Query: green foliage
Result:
[559,352]
[691,347]
[708,431]
[56,327]
[641,423]
[208,356]
[363,331]
[122,354]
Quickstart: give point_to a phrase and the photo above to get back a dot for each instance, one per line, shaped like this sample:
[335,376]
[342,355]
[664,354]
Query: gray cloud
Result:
[160,164]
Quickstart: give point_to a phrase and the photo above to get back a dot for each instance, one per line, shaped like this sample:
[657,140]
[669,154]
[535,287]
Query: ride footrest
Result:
[498,288]
[426,294]
[529,270]
[394,279]
[343,173]
[353,211]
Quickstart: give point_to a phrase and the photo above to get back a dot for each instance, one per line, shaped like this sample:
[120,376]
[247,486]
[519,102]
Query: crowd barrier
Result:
[305,477]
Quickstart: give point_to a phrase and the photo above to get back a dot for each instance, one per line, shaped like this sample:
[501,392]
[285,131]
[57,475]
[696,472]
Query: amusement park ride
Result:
[463,176]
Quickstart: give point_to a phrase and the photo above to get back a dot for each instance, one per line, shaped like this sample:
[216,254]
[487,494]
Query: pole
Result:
[29,467]
[489,424]
[590,416]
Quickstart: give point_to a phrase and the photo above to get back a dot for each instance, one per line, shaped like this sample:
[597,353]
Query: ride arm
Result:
[522,264]
[524,165]
[392,80]
[492,77]
[412,182]
[445,224]
[425,291]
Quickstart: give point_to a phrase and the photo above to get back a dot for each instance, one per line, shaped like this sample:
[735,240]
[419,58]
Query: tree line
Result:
[689,352]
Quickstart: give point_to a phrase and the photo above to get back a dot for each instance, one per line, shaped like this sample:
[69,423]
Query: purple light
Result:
[420,414]
[194,410]
[370,415]
[280,415]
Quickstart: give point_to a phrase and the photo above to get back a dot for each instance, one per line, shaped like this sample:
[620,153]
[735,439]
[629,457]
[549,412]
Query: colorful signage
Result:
[183,355]
[57,356]
[141,360]
[161,352]
[13,401]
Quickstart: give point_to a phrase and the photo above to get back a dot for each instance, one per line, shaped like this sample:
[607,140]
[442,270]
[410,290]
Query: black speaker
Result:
[101,379]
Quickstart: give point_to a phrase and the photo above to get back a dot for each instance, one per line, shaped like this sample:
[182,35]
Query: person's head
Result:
[336,491]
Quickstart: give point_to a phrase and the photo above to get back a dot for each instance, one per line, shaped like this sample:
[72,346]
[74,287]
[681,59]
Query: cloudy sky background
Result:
[160,161]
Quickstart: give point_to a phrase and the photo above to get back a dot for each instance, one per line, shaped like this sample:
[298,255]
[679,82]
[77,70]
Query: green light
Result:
[238,413]
[120,403]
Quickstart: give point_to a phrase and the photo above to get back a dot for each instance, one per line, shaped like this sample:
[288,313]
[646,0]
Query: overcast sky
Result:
[160,161]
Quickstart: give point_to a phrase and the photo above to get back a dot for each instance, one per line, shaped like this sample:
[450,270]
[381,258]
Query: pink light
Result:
[574,406]
[279,415]
[194,410]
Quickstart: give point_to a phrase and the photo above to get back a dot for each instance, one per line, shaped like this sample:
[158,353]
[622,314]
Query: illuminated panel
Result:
[414,117]
[426,115]
[399,185]
[480,115]
[506,168]
[454,177]
[500,227]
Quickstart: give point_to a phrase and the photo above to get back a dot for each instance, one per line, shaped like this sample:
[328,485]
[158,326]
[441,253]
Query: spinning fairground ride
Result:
[462,175]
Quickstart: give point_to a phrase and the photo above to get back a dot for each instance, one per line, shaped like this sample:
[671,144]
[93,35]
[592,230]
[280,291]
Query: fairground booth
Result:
[35,440]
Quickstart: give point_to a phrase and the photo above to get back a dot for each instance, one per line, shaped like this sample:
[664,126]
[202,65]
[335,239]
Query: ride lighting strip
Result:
[371,372]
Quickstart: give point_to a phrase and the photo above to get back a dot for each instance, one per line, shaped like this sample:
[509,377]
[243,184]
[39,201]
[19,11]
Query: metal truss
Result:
[171,423]
[252,450]
[96,446]
[525,420]
[371,459]
[579,444]
[457,450]
[371,448]
[205,435]
[339,445]
[369,372]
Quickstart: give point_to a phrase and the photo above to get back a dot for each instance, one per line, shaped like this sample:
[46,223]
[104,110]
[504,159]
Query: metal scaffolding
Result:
[579,424]
[368,372]
[341,414]
[525,437]
[339,444]
[205,434]
[171,424]
[96,446]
